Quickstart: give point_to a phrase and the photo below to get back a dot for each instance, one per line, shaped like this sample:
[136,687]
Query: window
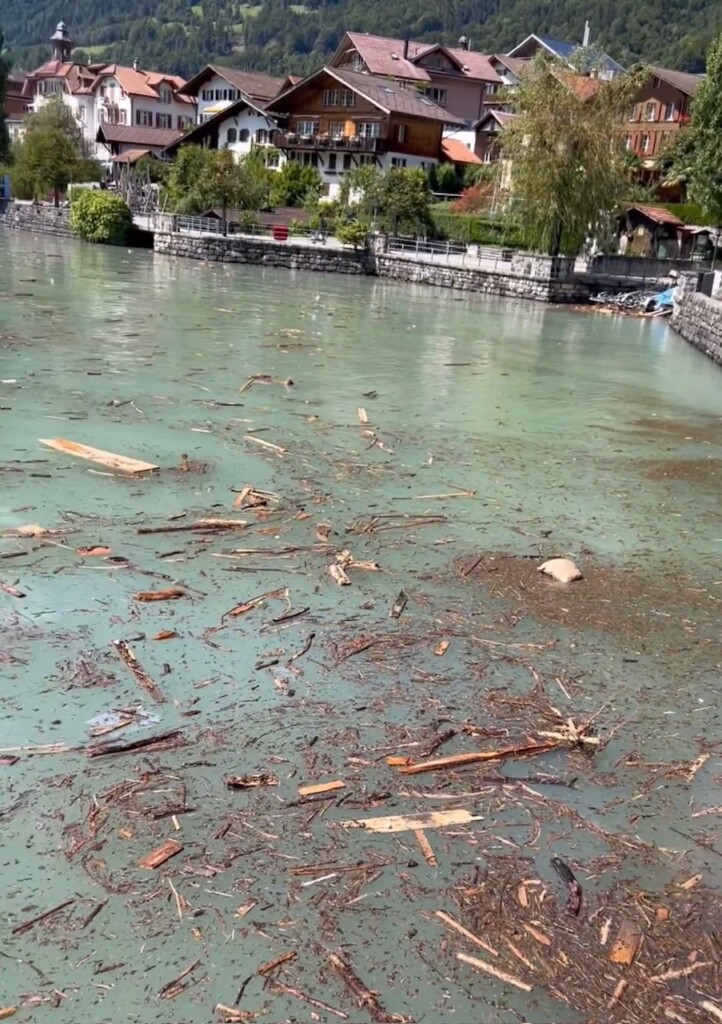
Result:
[336,129]
[627,141]
[347,162]
[437,95]
[122,117]
[231,136]
[492,87]
[233,94]
[633,114]
[144,118]
[244,135]
[183,122]
[670,112]
[330,97]
[219,94]
[307,127]
[273,159]
[366,158]
[165,95]
[400,132]
[369,129]
[487,156]
[646,144]
[332,163]
[356,61]
[163,121]
[262,136]
[305,159]
[398,161]
[650,112]
[207,95]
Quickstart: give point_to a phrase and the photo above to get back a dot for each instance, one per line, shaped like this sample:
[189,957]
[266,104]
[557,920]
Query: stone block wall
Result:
[265,253]
[514,285]
[42,220]
[699,320]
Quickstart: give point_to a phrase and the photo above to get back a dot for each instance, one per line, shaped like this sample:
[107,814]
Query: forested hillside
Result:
[280,36]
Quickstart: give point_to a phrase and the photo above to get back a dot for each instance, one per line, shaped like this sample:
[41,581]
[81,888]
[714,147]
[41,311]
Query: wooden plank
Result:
[155,858]
[482,965]
[451,923]
[324,787]
[84,451]
[402,823]
[459,760]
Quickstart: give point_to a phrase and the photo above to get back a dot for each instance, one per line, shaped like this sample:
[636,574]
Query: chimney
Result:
[464,43]
[136,65]
[587,33]
[406,49]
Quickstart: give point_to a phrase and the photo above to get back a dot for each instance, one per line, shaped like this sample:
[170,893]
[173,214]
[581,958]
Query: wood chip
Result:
[7,1011]
[337,574]
[618,993]
[362,415]
[522,897]
[442,648]
[323,787]
[97,551]
[713,1009]
[157,857]
[482,965]
[425,847]
[401,823]
[171,594]
[627,944]
[84,451]
[245,908]
[165,634]
[662,914]
[540,937]
[272,965]
[691,882]
[451,923]
[231,1015]
[251,781]
[398,606]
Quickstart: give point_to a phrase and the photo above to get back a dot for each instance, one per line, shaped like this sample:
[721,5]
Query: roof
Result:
[502,118]
[566,51]
[131,156]
[583,87]
[386,95]
[250,83]
[136,135]
[140,83]
[658,214]
[514,64]
[682,80]
[458,153]
[383,55]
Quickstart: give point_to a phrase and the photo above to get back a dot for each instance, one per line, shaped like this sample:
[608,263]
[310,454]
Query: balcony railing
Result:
[342,144]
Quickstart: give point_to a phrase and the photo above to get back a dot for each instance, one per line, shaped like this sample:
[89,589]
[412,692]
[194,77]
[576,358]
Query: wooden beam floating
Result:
[84,451]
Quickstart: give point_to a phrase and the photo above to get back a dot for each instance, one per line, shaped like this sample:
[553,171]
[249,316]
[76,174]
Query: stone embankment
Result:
[42,220]
[265,253]
[698,319]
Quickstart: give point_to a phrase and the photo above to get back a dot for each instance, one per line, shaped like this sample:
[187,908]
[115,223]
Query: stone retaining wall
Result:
[553,286]
[699,320]
[42,220]
[265,253]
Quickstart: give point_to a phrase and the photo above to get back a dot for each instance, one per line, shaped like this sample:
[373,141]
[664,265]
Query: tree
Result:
[705,142]
[51,155]
[405,198]
[564,147]
[203,178]
[4,139]
[295,184]
[100,216]
[218,182]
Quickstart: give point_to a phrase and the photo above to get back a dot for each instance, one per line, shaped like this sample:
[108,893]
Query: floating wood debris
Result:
[171,594]
[338,574]
[84,451]
[266,444]
[482,965]
[139,674]
[459,760]
[200,526]
[19,929]
[398,606]
[627,944]
[366,999]
[272,965]
[323,787]
[451,923]
[442,648]
[156,858]
[251,781]
[7,588]
[362,415]
[412,823]
[561,569]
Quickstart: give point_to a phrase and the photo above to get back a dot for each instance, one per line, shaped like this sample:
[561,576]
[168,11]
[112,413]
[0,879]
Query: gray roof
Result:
[681,80]
[382,92]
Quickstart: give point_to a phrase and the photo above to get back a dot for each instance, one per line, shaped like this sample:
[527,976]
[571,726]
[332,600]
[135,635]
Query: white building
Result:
[109,94]
[240,127]
[215,88]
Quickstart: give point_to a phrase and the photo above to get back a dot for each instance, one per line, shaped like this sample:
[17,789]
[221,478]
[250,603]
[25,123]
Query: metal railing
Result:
[200,227]
[457,253]
[341,144]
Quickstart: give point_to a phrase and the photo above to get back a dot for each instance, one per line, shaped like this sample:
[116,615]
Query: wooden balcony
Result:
[328,143]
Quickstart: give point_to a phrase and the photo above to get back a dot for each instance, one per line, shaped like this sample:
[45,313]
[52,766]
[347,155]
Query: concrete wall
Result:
[699,320]
[265,253]
[640,266]
[43,220]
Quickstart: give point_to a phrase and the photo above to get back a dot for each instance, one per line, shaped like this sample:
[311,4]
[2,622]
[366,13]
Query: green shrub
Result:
[690,213]
[352,234]
[99,216]
[471,229]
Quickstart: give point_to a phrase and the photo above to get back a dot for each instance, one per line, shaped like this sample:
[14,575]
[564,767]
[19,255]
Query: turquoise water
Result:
[553,423]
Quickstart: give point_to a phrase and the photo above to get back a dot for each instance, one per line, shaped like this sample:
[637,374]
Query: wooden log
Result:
[324,787]
[7,1011]
[171,594]
[84,451]
[451,923]
[482,965]
[156,858]
[127,656]
[366,998]
[19,929]
[426,848]
[273,965]
[402,823]
[459,760]
[161,741]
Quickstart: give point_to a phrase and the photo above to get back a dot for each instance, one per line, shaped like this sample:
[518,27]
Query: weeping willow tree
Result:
[565,154]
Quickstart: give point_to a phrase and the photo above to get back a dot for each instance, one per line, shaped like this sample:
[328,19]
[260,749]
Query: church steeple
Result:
[62,43]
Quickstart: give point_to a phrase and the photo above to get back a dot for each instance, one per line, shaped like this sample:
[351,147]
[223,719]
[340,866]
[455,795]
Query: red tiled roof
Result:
[583,87]
[385,56]
[658,215]
[141,83]
[131,156]
[458,153]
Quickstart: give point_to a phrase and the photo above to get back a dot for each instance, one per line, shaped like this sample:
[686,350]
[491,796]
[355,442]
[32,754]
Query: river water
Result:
[556,433]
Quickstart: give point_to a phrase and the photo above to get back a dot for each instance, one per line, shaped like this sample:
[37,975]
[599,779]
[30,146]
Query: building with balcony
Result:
[100,94]
[456,78]
[240,126]
[663,106]
[337,120]
[215,88]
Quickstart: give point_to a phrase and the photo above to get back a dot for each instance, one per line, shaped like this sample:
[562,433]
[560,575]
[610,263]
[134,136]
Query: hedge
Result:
[470,228]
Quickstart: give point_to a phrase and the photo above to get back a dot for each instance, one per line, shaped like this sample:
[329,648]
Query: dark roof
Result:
[135,135]
[566,51]
[250,83]
[200,131]
[514,64]
[686,83]
[502,117]
[382,92]
[384,55]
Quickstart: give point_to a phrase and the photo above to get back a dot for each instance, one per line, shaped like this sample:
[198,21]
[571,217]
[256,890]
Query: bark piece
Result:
[273,965]
[83,451]
[561,569]
[171,594]
[127,656]
[367,999]
[19,929]
[156,858]
[251,781]
[398,606]
[627,943]
[426,848]
[442,648]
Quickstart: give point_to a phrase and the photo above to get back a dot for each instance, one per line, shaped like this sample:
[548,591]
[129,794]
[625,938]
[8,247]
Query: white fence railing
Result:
[457,253]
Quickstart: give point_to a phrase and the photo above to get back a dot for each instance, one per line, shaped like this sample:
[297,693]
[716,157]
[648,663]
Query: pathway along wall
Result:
[699,320]
[265,253]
